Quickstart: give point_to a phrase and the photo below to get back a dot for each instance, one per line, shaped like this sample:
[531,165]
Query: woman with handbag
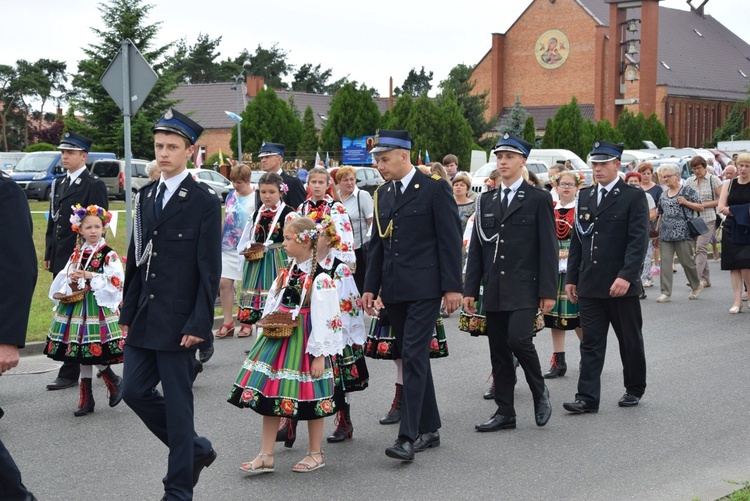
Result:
[359,206]
[708,187]
[676,207]
[636,179]
[735,251]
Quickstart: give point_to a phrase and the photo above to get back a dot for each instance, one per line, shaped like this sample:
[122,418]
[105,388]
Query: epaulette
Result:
[381,185]
[206,188]
[436,177]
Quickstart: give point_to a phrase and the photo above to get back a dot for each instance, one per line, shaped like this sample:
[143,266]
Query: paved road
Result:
[688,435]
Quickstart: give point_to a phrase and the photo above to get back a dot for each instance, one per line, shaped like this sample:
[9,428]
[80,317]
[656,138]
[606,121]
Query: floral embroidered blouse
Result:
[258,228]
[238,211]
[108,275]
[337,211]
[350,301]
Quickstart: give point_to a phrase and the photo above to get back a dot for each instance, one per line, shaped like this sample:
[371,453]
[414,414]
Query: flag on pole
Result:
[328,160]
[419,158]
[317,159]
[426,157]
[221,157]
[113,222]
[199,157]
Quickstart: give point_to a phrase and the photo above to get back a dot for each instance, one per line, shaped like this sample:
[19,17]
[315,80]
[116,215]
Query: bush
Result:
[40,147]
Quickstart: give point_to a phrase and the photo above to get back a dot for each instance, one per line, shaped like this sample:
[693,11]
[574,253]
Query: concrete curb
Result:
[37,347]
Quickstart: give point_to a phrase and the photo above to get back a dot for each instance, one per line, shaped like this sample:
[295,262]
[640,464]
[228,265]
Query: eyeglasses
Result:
[667,176]
[567,185]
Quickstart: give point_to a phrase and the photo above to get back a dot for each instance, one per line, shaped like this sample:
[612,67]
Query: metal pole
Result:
[239,113]
[125,48]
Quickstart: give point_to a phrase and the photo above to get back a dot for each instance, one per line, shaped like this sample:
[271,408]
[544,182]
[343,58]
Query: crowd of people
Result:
[304,263]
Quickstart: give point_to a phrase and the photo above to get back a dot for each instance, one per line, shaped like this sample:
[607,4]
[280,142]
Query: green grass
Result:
[740,495]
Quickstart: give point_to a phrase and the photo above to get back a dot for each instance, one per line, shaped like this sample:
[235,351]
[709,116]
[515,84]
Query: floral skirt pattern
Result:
[257,279]
[381,342]
[275,378]
[564,315]
[475,324]
[85,333]
[350,369]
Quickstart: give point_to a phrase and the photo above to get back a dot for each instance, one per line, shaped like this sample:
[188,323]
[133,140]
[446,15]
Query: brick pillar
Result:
[254,85]
[496,60]
[614,51]
[649,48]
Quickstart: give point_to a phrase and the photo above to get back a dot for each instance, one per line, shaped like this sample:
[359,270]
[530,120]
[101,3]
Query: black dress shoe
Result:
[490,394]
[542,409]
[498,422]
[61,383]
[205,355]
[629,400]
[402,449]
[197,369]
[427,440]
[203,462]
[580,407]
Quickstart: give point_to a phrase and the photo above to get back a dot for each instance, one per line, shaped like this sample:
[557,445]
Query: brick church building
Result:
[615,54]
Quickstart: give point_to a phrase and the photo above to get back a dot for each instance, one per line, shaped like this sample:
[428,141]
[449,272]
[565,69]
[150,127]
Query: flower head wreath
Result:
[579,177]
[80,213]
[324,225]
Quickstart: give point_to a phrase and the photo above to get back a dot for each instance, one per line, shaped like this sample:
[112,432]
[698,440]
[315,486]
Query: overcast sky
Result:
[369,41]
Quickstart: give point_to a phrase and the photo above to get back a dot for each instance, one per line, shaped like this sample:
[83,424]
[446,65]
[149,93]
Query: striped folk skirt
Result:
[257,279]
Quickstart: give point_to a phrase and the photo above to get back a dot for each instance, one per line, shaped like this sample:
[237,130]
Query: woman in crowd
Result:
[635,179]
[564,315]
[734,203]
[359,206]
[552,172]
[437,168]
[240,205]
[708,187]
[648,176]
[676,205]
[461,188]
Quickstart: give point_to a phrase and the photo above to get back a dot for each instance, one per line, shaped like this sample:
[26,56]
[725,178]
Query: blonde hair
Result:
[343,172]
[240,173]
[462,177]
[742,158]
[319,170]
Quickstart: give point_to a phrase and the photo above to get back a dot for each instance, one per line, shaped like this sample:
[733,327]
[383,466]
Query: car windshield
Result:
[485,170]
[35,163]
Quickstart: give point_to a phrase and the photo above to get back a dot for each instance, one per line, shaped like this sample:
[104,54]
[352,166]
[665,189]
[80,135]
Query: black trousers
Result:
[509,333]
[11,487]
[624,314]
[359,272]
[168,416]
[70,370]
[412,325]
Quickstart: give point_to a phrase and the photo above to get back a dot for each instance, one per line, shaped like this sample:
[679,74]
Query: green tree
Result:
[267,118]
[336,86]
[529,130]
[656,132]
[197,64]
[353,113]
[514,122]
[40,147]
[397,117]
[309,143]
[733,127]
[567,130]
[633,129]
[548,140]
[270,64]
[424,123]
[311,79]
[454,132]
[473,105]
[416,84]
[122,19]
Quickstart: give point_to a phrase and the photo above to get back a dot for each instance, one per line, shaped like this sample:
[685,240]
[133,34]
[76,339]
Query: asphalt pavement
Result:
[686,439]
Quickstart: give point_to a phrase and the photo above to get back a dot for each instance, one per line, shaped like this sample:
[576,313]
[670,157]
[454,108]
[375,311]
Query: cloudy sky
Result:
[369,41]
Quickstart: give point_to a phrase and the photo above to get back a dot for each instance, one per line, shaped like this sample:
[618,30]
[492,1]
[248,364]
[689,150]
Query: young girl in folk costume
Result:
[292,376]
[87,294]
[320,201]
[264,231]
[350,369]
[564,315]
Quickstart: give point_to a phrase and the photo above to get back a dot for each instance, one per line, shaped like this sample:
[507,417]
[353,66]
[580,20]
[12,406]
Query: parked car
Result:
[8,161]
[557,156]
[219,183]
[112,172]
[36,171]
[538,167]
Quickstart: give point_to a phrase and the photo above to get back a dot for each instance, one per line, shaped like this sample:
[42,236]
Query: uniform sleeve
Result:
[373,274]
[548,249]
[637,242]
[448,232]
[474,259]
[350,304]
[107,286]
[325,334]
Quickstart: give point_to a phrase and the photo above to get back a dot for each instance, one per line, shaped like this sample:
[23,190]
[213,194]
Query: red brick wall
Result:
[213,139]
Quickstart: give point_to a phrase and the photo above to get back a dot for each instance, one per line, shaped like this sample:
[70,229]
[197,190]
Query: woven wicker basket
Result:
[278,324]
[75,295]
[254,252]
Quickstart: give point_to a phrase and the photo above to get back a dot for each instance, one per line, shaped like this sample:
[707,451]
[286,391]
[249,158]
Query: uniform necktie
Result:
[506,192]
[64,185]
[603,193]
[159,202]
[399,184]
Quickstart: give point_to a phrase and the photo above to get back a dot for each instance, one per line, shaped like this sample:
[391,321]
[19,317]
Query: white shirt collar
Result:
[72,176]
[408,177]
[174,181]
[513,187]
[609,186]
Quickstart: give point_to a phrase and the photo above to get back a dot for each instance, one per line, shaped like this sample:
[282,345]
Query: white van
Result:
[552,157]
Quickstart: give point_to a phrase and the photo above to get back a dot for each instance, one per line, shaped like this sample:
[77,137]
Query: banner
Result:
[357,150]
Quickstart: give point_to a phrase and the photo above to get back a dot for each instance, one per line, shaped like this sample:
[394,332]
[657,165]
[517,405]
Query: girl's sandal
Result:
[227,330]
[245,331]
[305,467]
[249,468]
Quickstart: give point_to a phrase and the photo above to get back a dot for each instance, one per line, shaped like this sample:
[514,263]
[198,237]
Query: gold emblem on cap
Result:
[377,137]
[506,136]
[586,217]
[168,115]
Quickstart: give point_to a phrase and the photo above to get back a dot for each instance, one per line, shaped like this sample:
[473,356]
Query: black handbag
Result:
[696,225]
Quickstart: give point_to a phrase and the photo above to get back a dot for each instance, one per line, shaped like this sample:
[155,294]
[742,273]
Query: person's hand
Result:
[681,200]
[468,304]
[46,264]
[546,304]
[124,329]
[368,299]
[318,364]
[451,301]
[619,287]
[378,304]
[571,290]
[188,340]
[8,357]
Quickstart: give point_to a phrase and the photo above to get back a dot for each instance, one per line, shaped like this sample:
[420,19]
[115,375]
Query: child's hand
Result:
[318,364]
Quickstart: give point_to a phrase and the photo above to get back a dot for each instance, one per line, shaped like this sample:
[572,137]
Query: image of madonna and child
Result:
[289,372]
[87,295]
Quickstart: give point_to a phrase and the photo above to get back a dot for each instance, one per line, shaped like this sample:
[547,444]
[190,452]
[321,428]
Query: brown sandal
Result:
[227,330]
[245,331]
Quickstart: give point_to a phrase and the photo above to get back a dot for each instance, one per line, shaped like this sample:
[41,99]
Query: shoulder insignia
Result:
[436,177]
[381,185]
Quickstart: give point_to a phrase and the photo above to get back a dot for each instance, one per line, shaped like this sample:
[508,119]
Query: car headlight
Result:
[41,175]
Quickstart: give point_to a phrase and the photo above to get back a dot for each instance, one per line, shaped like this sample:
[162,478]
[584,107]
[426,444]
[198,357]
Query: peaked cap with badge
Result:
[512,143]
[268,149]
[175,122]
[391,139]
[604,151]
[73,141]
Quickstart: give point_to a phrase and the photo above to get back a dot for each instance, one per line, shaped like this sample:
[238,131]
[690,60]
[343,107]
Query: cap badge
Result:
[168,115]
[596,144]
[377,136]
[506,136]
[67,134]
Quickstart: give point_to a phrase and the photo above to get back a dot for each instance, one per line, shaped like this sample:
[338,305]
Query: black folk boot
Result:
[344,429]
[114,386]
[86,401]
[394,414]
[558,367]
[287,432]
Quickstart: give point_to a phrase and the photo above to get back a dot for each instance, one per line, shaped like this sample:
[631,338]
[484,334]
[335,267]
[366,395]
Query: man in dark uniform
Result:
[513,253]
[271,157]
[18,267]
[604,270]
[414,263]
[78,186]
[171,280]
